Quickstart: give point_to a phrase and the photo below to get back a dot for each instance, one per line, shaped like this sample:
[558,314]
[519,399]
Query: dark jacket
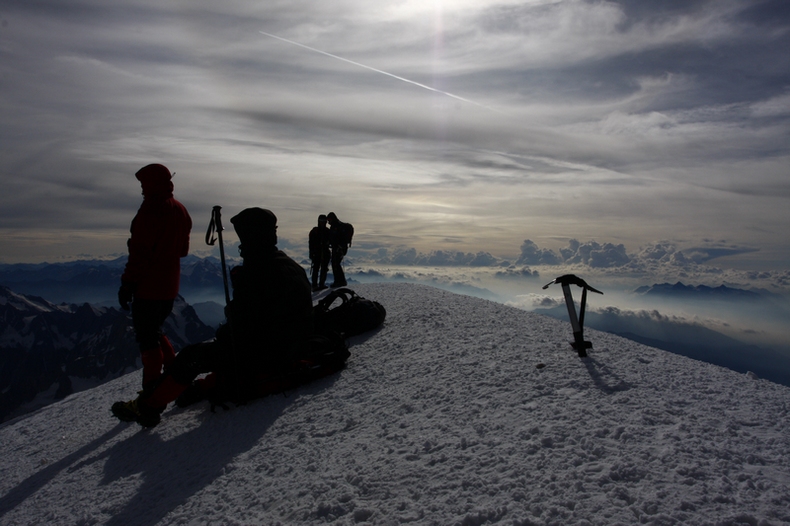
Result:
[272,309]
[339,234]
[160,238]
[318,242]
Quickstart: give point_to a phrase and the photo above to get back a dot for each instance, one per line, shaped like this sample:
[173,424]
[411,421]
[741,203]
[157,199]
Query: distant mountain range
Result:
[97,281]
[46,347]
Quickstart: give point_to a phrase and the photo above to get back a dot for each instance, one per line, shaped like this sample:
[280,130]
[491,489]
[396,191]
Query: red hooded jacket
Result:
[160,238]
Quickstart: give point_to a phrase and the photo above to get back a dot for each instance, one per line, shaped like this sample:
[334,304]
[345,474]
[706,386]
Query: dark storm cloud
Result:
[742,65]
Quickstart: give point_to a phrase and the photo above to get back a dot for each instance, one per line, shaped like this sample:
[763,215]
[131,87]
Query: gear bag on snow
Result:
[353,316]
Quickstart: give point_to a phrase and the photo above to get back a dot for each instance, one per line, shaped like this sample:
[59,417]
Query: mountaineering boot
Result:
[125,411]
[133,411]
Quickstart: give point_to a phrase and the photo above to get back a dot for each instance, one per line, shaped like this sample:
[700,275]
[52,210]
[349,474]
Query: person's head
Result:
[322,220]
[155,180]
[256,228]
[331,218]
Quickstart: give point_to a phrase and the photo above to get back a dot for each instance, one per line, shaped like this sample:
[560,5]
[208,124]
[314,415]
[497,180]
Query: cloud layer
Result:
[449,127]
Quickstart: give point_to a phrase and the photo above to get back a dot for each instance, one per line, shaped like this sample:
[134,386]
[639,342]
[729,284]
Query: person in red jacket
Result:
[160,238]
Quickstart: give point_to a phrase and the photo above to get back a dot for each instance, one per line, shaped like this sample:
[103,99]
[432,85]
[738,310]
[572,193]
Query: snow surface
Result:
[458,411]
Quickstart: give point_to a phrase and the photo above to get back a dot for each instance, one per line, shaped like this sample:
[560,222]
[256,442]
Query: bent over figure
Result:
[340,234]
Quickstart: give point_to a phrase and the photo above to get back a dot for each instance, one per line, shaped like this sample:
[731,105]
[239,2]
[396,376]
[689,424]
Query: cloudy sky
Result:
[465,125]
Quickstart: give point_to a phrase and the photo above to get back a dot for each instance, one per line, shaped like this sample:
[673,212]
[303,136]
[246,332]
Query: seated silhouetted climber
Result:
[269,323]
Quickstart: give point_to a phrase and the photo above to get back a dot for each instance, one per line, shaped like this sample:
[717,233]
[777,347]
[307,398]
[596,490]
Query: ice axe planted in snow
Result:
[576,322]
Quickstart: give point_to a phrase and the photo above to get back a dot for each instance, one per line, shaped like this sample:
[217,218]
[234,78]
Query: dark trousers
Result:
[148,317]
[200,358]
[320,269]
[192,361]
[229,377]
[337,266]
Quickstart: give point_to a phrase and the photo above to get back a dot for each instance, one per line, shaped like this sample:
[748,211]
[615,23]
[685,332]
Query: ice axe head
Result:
[571,279]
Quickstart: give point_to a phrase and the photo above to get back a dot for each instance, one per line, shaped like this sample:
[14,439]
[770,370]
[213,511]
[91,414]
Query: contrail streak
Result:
[380,71]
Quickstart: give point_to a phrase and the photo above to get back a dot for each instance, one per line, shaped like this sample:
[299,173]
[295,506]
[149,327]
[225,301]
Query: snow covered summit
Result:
[457,411]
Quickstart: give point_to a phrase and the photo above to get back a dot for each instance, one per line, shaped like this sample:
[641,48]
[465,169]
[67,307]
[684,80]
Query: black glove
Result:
[125,295]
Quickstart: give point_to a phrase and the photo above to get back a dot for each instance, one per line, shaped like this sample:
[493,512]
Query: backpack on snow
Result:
[355,314]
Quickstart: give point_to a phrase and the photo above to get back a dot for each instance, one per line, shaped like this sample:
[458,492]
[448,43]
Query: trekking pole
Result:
[216,226]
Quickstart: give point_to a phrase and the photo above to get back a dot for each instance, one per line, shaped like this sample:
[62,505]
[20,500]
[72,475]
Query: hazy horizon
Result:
[756,319]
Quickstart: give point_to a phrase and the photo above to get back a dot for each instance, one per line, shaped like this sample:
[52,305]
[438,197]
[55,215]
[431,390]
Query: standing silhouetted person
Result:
[150,281]
[340,235]
[319,253]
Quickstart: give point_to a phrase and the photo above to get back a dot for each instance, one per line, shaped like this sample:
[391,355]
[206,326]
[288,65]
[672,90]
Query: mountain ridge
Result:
[42,344]
[458,410]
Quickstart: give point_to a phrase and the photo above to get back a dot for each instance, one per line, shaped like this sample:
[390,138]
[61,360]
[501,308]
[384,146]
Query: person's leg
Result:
[147,407]
[316,265]
[337,268]
[341,275]
[148,316]
[168,352]
[189,363]
[324,269]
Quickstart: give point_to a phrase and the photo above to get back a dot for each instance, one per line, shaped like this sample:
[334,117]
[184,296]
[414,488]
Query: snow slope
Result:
[458,411]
